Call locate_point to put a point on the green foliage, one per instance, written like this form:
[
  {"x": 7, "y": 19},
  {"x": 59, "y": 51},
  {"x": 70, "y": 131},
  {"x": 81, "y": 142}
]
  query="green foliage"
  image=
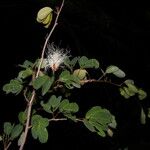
[
  {"x": 130, "y": 90},
  {"x": 25, "y": 73},
  {"x": 52, "y": 104},
  {"x": 98, "y": 120},
  {"x": 38, "y": 129},
  {"x": 143, "y": 117},
  {"x": 13, "y": 131},
  {"x": 44, "y": 16},
  {"x": 66, "y": 107},
  {"x": 71, "y": 63},
  {"x": 16, "y": 131},
  {"x": 80, "y": 73},
  {"x": 38, "y": 85},
  {"x": 22, "y": 117},
  {"x": 69, "y": 80},
  {"x": 115, "y": 70},
  {"x": 45, "y": 82},
  {"x": 8, "y": 128},
  {"x": 27, "y": 64},
  {"x": 84, "y": 62},
  {"x": 15, "y": 86}
]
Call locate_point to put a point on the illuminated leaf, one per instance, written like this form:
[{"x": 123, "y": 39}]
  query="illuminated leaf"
[
  {"x": 44, "y": 16},
  {"x": 22, "y": 117},
  {"x": 141, "y": 94},
  {"x": 38, "y": 82},
  {"x": 52, "y": 104},
  {"x": 80, "y": 73},
  {"x": 88, "y": 125},
  {"x": 15, "y": 87},
  {"x": 143, "y": 117},
  {"x": 47, "y": 85},
  {"x": 116, "y": 71},
  {"x": 16, "y": 131},
  {"x": 21, "y": 138},
  {"x": 8, "y": 128},
  {"x": 38, "y": 129},
  {"x": 25, "y": 73}
]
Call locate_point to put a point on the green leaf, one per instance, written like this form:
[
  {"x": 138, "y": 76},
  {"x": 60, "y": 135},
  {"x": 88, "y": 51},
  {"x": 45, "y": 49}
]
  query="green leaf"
[
  {"x": 80, "y": 73},
  {"x": 119, "y": 74},
  {"x": 70, "y": 81},
  {"x": 115, "y": 70},
  {"x": 71, "y": 63},
  {"x": 25, "y": 73},
  {"x": 123, "y": 93},
  {"x": 129, "y": 81},
  {"x": 111, "y": 69},
  {"x": 16, "y": 131},
  {"x": 40, "y": 81},
  {"x": 84, "y": 62},
  {"x": 100, "y": 129},
  {"x": 52, "y": 104},
  {"x": 101, "y": 133},
  {"x": 27, "y": 64},
  {"x": 44, "y": 16},
  {"x": 67, "y": 107},
  {"x": 8, "y": 128},
  {"x": 93, "y": 63},
  {"x": 47, "y": 85},
  {"x": 92, "y": 111},
  {"x": 129, "y": 91},
  {"x": 88, "y": 125},
  {"x": 38, "y": 129},
  {"x": 64, "y": 76},
  {"x": 102, "y": 116},
  {"x": 141, "y": 94},
  {"x": 113, "y": 123},
  {"x": 43, "y": 65},
  {"x": 22, "y": 117},
  {"x": 21, "y": 139},
  {"x": 15, "y": 87},
  {"x": 143, "y": 117},
  {"x": 70, "y": 116},
  {"x": 132, "y": 87}
]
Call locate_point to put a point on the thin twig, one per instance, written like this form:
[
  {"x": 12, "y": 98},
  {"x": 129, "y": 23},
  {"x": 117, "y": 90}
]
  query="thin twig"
[
  {"x": 100, "y": 81},
  {"x": 6, "y": 148},
  {"x": 37, "y": 74},
  {"x": 64, "y": 119}
]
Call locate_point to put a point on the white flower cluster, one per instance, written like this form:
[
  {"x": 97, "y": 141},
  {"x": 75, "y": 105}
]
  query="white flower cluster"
[{"x": 55, "y": 57}]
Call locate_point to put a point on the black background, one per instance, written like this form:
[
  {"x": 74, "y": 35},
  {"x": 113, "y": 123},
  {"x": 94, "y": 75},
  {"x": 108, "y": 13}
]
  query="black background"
[{"x": 114, "y": 33}]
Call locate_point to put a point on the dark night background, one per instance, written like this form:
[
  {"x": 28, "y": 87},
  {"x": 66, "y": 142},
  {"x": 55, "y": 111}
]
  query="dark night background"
[{"x": 113, "y": 32}]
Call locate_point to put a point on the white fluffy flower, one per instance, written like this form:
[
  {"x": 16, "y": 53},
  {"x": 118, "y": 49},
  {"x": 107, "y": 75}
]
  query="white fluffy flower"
[{"x": 55, "y": 57}]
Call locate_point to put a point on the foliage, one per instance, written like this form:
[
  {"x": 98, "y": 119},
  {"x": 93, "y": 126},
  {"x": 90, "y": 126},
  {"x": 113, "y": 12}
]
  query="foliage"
[{"x": 43, "y": 80}]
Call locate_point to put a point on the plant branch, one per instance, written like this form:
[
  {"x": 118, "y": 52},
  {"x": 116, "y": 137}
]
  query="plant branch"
[
  {"x": 48, "y": 37},
  {"x": 100, "y": 81},
  {"x": 6, "y": 148},
  {"x": 37, "y": 74},
  {"x": 63, "y": 119}
]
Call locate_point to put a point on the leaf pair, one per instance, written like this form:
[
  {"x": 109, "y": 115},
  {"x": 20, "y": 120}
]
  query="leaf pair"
[
  {"x": 13, "y": 131},
  {"x": 130, "y": 90},
  {"x": 115, "y": 70},
  {"x": 69, "y": 80},
  {"x": 84, "y": 62},
  {"x": 45, "y": 82},
  {"x": 38, "y": 129},
  {"x": 98, "y": 120},
  {"x": 15, "y": 86}
]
